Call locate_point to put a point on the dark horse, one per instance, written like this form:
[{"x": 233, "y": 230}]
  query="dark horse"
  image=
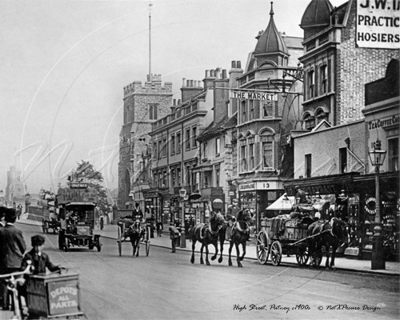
[
  {"x": 209, "y": 234},
  {"x": 240, "y": 234},
  {"x": 135, "y": 232},
  {"x": 328, "y": 234}
]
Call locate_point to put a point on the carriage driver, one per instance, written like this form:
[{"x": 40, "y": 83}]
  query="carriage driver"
[{"x": 231, "y": 217}]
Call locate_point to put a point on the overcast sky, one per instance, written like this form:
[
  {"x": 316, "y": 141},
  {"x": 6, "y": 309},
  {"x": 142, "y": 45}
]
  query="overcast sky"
[{"x": 63, "y": 66}]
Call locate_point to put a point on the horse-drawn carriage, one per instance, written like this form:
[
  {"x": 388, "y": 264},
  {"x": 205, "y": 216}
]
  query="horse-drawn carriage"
[
  {"x": 137, "y": 232},
  {"x": 50, "y": 223},
  {"x": 301, "y": 235}
]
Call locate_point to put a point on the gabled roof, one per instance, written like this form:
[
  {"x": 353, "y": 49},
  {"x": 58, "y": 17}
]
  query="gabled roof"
[
  {"x": 322, "y": 125},
  {"x": 215, "y": 129}
]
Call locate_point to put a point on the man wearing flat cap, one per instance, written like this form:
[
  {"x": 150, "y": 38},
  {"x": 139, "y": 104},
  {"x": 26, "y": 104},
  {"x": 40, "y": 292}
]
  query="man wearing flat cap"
[
  {"x": 12, "y": 248},
  {"x": 39, "y": 260}
]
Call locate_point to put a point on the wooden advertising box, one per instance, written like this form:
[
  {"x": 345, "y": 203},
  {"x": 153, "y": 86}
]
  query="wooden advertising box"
[{"x": 54, "y": 295}]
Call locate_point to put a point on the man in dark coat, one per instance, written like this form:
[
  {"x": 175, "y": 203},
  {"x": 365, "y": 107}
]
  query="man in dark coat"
[{"x": 12, "y": 248}]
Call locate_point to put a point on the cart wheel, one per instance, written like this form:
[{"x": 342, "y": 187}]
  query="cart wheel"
[
  {"x": 119, "y": 239},
  {"x": 276, "y": 253},
  {"x": 262, "y": 247},
  {"x": 302, "y": 255},
  {"x": 147, "y": 247}
]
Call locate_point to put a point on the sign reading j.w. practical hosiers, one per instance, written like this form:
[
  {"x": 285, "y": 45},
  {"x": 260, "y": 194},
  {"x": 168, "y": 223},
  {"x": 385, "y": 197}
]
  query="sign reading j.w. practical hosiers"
[{"x": 378, "y": 24}]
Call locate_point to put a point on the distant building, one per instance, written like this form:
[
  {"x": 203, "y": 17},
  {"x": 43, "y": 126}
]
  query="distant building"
[{"x": 15, "y": 187}]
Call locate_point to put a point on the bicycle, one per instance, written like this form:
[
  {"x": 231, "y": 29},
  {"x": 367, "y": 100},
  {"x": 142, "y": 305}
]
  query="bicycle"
[{"x": 13, "y": 280}]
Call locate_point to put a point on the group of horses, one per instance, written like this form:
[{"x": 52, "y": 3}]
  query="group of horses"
[{"x": 329, "y": 234}]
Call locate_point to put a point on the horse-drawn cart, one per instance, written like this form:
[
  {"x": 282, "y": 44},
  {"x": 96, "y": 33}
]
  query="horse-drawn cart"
[
  {"x": 133, "y": 231},
  {"x": 280, "y": 236}
]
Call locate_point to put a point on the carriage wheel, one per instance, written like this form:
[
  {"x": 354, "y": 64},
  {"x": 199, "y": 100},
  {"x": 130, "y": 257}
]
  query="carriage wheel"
[
  {"x": 262, "y": 247},
  {"x": 147, "y": 247},
  {"x": 119, "y": 241},
  {"x": 276, "y": 253},
  {"x": 302, "y": 255}
]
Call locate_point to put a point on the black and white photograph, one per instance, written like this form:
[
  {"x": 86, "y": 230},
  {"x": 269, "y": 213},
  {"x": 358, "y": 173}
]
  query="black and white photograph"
[{"x": 199, "y": 159}]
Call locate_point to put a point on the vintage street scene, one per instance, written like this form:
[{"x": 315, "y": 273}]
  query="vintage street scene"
[{"x": 168, "y": 159}]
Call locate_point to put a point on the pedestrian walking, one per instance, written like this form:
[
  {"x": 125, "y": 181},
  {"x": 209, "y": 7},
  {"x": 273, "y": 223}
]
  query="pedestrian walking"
[
  {"x": 174, "y": 235},
  {"x": 101, "y": 222},
  {"x": 160, "y": 228},
  {"x": 12, "y": 249}
]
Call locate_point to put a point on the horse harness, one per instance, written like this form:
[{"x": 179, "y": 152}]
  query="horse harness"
[{"x": 207, "y": 227}]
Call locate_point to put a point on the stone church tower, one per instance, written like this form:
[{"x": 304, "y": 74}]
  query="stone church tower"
[{"x": 143, "y": 105}]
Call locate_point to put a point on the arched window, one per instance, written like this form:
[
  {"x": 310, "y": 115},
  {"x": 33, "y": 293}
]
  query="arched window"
[
  {"x": 321, "y": 115},
  {"x": 309, "y": 121}
]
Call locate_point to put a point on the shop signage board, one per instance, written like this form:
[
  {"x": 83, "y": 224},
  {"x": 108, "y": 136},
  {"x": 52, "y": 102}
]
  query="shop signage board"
[
  {"x": 66, "y": 195},
  {"x": 253, "y": 95},
  {"x": 378, "y": 24},
  {"x": 271, "y": 185},
  {"x": 384, "y": 122}
]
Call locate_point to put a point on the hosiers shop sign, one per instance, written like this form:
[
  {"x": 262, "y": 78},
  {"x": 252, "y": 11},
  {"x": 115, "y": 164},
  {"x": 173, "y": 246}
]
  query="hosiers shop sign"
[{"x": 378, "y": 24}]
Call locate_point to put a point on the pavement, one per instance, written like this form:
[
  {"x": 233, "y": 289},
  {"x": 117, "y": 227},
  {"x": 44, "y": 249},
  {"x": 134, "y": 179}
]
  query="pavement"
[{"x": 341, "y": 263}]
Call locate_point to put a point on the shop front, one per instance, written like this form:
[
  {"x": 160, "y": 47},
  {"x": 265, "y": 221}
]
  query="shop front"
[
  {"x": 157, "y": 204},
  {"x": 258, "y": 196},
  {"x": 351, "y": 198}
]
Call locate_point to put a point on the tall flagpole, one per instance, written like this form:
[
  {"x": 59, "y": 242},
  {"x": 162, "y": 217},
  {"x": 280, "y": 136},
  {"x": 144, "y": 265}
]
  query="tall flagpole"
[{"x": 150, "y": 76}]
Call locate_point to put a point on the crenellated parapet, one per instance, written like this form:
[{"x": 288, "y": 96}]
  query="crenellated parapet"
[{"x": 153, "y": 85}]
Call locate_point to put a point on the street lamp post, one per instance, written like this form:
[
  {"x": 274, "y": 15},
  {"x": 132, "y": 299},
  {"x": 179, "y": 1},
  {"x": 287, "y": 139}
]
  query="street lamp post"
[
  {"x": 377, "y": 157},
  {"x": 182, "y": 193}
]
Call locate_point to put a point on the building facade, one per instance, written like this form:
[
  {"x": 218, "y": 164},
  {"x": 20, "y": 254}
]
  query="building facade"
[
  {"x": 15, "y": 190},
  {"x": 268, "y": 100}
]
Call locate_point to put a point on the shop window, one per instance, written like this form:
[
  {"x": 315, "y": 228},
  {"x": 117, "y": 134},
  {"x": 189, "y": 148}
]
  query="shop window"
[
  {"x": 324, "y": 79},
  {"x": 393, "y": 154},
  {"x": 311, "y": 84},
  {"x": 342, "y": 160},
  {"x": 308, "y": 165},
  {"x": 172, "y": 144},
  {"x": 217, "y": 146},
  {"x": 187, "y": 139}
]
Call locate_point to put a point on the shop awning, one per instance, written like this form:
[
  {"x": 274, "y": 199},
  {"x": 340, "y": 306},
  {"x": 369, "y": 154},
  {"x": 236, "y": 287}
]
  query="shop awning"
[{"x": 283, "y": 203}]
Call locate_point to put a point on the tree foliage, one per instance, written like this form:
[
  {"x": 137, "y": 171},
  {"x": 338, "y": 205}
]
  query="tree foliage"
[{"x": 86, "y": 173}]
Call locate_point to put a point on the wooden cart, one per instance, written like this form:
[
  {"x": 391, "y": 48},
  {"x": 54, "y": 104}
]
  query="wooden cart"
[
  {"x": 289, "y": 237},
  {"x": 54, "y": 295},
  {"x": 123, "y": 225}
]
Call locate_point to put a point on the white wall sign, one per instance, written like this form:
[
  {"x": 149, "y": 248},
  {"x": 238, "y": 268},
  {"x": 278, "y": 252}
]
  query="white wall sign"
[
  {"x": 253, "y": 95},
  {"x": 378, "y": 24}
]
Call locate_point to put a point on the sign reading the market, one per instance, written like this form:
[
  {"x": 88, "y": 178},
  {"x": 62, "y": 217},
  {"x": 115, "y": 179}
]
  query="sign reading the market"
[
  {"x": 378, "y": 24},
  {"x": 253, "y": 95},
  {"x": 382, "y": 123}
]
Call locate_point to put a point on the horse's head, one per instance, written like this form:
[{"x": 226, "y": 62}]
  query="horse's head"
[
  {"x": 245, "y": 215},
  {"x": 217, "y": 221},
  {"x": 340, "y": 230}
]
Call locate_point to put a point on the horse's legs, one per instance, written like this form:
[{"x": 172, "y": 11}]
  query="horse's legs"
[
  {"x": 244, "y": 250},
  {"x": 221, "y": 246},
  {"x": 201, "y": 254},
  {"x": 238, "y": 255},
  {"x": 193, "y": 247},
  {"x": 215, "y": 244},
  {"x": 207, "y": 262},
  {"x": 137, "y": 247},
  {"x": 230, "y": 252}
]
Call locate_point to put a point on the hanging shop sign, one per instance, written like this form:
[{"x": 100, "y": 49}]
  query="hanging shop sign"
[
  {"x": 370, "y": 206},
  {"x": 378, "y": 24},
  {"x": 253, "y": 95}
]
